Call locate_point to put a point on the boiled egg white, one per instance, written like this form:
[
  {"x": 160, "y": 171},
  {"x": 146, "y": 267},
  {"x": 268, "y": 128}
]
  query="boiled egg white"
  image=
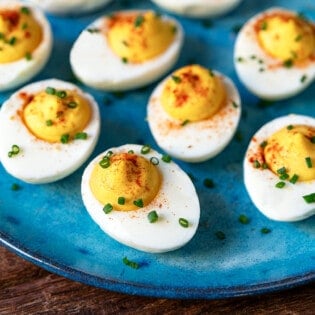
[
  {"x": 130, "y": 49},
  {"x": 25, "y": 43},
  {"x": 61, "y": 7},
  {"x": 198, "y": 8},
  {"x": 208, "y": 109},
  {"x": 164, "y": 221},
  {"x": 41, "y": 137},
  {"x": 279, "y": 175},
  {"x": 274, "y": 54}
]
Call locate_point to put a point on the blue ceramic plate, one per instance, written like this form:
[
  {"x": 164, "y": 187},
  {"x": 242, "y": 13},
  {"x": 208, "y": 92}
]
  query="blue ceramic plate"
[{"x": 48, "y": 224}]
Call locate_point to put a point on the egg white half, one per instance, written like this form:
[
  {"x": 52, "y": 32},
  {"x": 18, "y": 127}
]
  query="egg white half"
[
  {"x": 100, "y": 68},
  {"x": 195, "y": 141},
  {"x": 40, "y": 161},
  {"x": 63, "y": 7},
  {"x": 287, "y": 203},
  {"x": 177, "y": 198},
  {"x": 198, "y": 8},
  {"x": 18, "y": 72},
  {"x": 262, "y": 74}
]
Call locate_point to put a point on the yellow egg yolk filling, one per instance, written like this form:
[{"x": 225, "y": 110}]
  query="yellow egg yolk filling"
[
  {"x": 128, "y": 177},
  {"x": 193, "y": 93},
  {"x": 286, "y": 37},
  {"x": 291, "y": 150},
  {"x": 138, "y": 38},
  {"x": 56, "y": 116},
  {"x": 20, "y": 35}
]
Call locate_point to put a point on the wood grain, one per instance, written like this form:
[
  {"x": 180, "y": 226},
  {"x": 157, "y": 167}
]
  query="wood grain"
[{"x": 28, "y": 289}]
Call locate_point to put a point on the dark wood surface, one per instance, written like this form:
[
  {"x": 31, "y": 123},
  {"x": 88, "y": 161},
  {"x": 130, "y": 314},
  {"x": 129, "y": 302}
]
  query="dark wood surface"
[{"x": 28, "y": 289}]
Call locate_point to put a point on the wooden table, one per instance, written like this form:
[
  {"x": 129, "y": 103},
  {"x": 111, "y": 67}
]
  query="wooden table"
[{"x": 28, "y": 289}]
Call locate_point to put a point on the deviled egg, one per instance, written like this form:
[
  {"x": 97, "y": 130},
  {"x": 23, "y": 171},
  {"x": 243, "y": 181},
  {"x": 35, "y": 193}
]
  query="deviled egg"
[
  {"x": 129, "y": 49},
  {"x": 279, "y": 168},
  {"x": 198, "y": 8},
  {"x": 25, "y": 43},
  {"x": 47, "y": 130},
  {"x": 62, "y": 7},
  {"x": 141, "y": 198},
  {"x": 275, "y": 54},
  {"x": 194, "y": 113}
]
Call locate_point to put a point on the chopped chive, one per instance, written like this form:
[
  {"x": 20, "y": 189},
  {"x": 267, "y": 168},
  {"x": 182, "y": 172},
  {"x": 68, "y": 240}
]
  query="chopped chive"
[
  {"x": 313, "y": 139},
  {"x": 121, "y": 200},
  {"x": 263, "y": 144},
  {"x": 15, "y": 149},
  {"x": 139, "y": 21},
  {"x": 49, "y": 122},
  {"x": 93, "y": 30},
  {"x": 28, "y": 56},
  {"x": 280, "y": 185},
  {"x": 80, "y": 136},
  {"x": 105, "y": 162},
  {"x": 263, "y": 25},
  {"x": 185, "y": 122},
  {"x": 183, "y": 222},
  {"x": 107, "y": 208},
  {"x": 265, "y": 230},
  {"x": 264, "y": 166},
  {"x": 154, "y": 160},
  {"x": 220, "y": 235},
  {"x": 298, "y": 38},
  {"x": 208, "y": 182},
  {"x": 284, "y": 176},
  {"x": 290, "y": 127},
  {"x": 308, "y": 161},
  {"x": 166, "y": 158},
  {"x": 24, "y": 26},
  {"x": 109, "y": 153},
  {"x": 288, "y": 63},
  {"x": 131, "y": 152},
  {"x": 124, "y": 59},
  {"x": 211, "y": 73},
  {"x": 72, "y": 105},
  {"x": 65, "y": 138},
  {"x": 176, "y": 79},
  {"x": 234, "y": 104},
  {"x": 50, "y": 90},
  {"x": 61, "y": 94},
  {"x": 240, "y": 59},
  {"x": 303, "y": 78},
  {"x": 130, "y": 263},
  {"x": 282, "y": 170},
  {"x": 243, "y": 219},
  {"x": 145, "y": 149},
  {"x": 15, "y": 187},
  {"x": 309, "y": 198},
  {"x": 153, "y": 216},
  {"x": 256, "y": 164},
  {"x": 138, "y": 203},
  {"x": 25, "y": 10},
  {"x": 1, "y": 35},
  {"x": 12, "y": 41},
  {"x": 294, "y": 179}
]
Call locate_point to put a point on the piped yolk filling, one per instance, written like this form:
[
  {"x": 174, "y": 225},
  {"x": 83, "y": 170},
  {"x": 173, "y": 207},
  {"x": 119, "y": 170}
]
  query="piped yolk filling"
[
  {"x": 51, "y": 114},
  {"x": 193, "y": 93},
  {"x": 291, "y": 150},
  {"x": 286, "y": 37},
  {"x": 129, "y": 177},
  {"x": 20, "y": 34},
  {"x": 138, "y": 38}
]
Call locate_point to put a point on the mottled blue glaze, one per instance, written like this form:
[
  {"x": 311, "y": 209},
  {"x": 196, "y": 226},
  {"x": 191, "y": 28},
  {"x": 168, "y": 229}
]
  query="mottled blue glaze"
[{"x": 48, "y": 224}]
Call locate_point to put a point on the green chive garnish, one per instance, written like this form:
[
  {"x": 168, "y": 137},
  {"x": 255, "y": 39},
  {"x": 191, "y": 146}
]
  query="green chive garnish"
[
  {"x": 294, "y": 179},
  {"x": 138, "y": 21},
  {"x": 176, "y": 79},
  {"x": 145, "y": 149},
  {"x": 263, "y": 25},
  {"x": 72, "y": 105},
  {"x": 121, "y": 200},
  {"x": 49, "y": 122},
  {"x": 25, "y": 10},
  {"x": 130, "y": 263},
  {"x": 282, "y": 170},
  {"x": 124, "y": 60},
  {"x": 28, "y": 56},
  {"x": 234, "y": 104},
  {"x": 303, "y": 78},
  {"x": 61, "y": 94},
  {"x": 309, "y": 198},
  {"x": 263, "y": 144},
  {"x": 15, "y": 149},
  {"x": 256, "y": 164},
  {"x": 138, "y": 203},
  {"x": 284, "y": 176},
  {"x": 15, "y": 187},
  {"x": 280, "y": 184},
  {"x": 185, "y": 122},
  {"x": 154, "y": 160},
  {"x": 108, "y": 208},
  {"x": 183, "y": 222},
  {"x": 12, "y": 40},
  {"x": 166, "y": 158},
  {"x": 308, "y": 162},
  {"x": 288, "y": 63},
  {"x": 290, "y": 127},
  {"x": 80, "y": 136},
  {"x": 265, "y": 230},
  {"x": 65, "y": 138},
  {"x": 243, "y": 219},
  {"x": 313, "y": 139},
  {"x": 220, "y": 235},
  {"x": 105, "y": 162},
  {"x": 93, "y": 30},
  {"x": 153, "y": 216},
  {"x": 50, "y": 90},
  {"x": 131, "y": 152}
]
